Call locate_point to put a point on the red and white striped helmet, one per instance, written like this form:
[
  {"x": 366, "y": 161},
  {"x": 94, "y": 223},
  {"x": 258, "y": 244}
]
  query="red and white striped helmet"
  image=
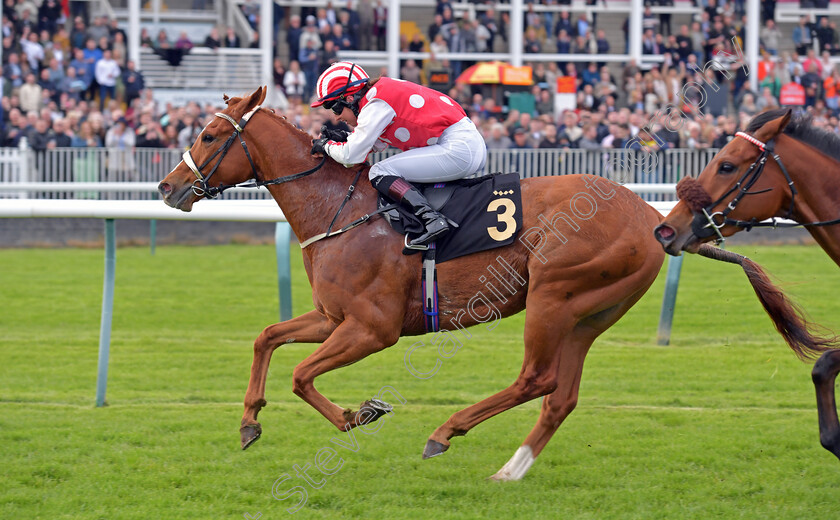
[{"x": 339, "y": 79}]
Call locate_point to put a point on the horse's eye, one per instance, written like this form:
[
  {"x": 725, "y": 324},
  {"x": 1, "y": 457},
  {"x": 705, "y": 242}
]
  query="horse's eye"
[
  {"x": 726, "y": 168},
  {"x": 208, "y": 138}
]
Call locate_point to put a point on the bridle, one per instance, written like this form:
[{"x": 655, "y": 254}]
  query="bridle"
[
  {"x": 707, "y": 223},
  {"x": 200, "y": 186},
  {"x": 704, "y": 224}
]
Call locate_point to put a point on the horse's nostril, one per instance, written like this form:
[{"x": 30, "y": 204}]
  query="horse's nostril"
[
  {"x": 664, "y": 233},
  {"x": 164, "y": 188}
]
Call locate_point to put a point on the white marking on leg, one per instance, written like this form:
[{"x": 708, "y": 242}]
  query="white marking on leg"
[{"x": 517, "y": 466}]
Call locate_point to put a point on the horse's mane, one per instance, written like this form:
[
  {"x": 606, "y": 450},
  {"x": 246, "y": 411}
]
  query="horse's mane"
[
  {"x": 233, "y": 101},
  {"x": 800, "y": 128}
]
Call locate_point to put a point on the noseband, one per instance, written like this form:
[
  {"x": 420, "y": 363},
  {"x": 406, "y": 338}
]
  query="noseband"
[
  {"x": 200, "y": 186},
  {"x": 707, "y": 223}
]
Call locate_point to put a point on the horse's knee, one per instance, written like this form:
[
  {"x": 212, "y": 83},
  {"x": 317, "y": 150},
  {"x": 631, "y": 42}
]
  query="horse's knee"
[
  {"x": 300, "y": 384},
  {"x": 826, "y": 367},
  {"x": 531, "y": 386}
]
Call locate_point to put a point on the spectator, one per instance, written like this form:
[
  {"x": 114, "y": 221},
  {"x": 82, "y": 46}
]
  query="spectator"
[
  {"x": 294, "y": 81},
  {"x": 98, "y": 30},
  {"x": 33, "y": 50},
  {"x": 770, "y": 36},
  {"x": 231, "y": 39},
  {"x": 364, "y": 11},
  {"x": 411, "y": 72},
  {"x": 212, "y": 41},
  {"x": 803, "y": 36},
  {"x": 106, "y": 73},
  {"x": 133, "y": 81},
  {"x": 184, "y": 43},
  {"x": 12, "y": 71},
  {"x": 532, "y": 43},
  {"x": 342, "y": 41},
  {"x": 497, "y": 140},
  {"x": 30, "y": 94},
  {"x": 71, "y": 85},
  {"x": 826, "y": 36},
  {"x": 120, "y": 141},
  {"x": 380, "y": 23},
  {"x": 831, "y": 85},
  {"x": 308, "y": 61},
  {"x": 61, "y": 135},
  {"x": 293, "y": 34},
  {"x": 767, "y": 101},
  {"x": 39, "y": 138},
  {"x": 550, "y": 139},
  {"x": 520, "y": 140}
]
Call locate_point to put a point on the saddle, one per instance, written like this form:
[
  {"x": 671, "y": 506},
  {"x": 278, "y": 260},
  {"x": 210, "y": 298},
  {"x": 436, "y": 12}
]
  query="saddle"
[{"x": 488, "y": 211}]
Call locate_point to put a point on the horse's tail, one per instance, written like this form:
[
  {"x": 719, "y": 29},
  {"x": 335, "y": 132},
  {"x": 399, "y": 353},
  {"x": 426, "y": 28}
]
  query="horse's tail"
[{"x": 787, "y": 316}]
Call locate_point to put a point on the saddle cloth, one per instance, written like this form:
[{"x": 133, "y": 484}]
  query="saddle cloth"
[{"x": 488, "y": 211}]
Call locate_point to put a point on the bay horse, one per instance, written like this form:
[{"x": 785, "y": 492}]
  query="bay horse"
[
  {"x": 585, "y": 255},
  {"x": 779, "y": 167}
]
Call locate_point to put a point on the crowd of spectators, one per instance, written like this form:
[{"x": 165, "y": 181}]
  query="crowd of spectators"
[{"x": 68, "y": 82}]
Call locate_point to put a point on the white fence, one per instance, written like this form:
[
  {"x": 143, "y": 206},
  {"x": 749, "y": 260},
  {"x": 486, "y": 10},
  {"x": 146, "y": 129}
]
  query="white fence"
[{"x": 151, "y": 165}]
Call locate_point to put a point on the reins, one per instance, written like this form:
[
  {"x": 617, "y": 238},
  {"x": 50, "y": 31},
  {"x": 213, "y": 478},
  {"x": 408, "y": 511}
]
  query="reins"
[{"x": 200, "y": 186}]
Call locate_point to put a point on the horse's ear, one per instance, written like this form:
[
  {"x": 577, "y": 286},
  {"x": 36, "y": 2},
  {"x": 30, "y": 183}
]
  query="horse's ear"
[
  {"x": 256, "y": 98},
  {"x": 773, "y": 128},
  {"x": 262, "y": 96},
  {"x": 231, "y": 101}
]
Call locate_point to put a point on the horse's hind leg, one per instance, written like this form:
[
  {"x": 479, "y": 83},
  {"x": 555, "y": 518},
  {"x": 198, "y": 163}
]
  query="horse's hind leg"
[
  {"x": 560, "y": 403},
  {"x": 555, "y": 407},
  {"x": 312, "y": 327},
  {"x": 824, "y": 373},
  {"x": 543, "y": 328}
]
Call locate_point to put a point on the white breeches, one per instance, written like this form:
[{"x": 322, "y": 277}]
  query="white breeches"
[{"x": 459, "y": 152}]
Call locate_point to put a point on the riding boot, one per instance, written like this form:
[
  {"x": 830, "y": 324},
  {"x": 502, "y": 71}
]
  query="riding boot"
[{"x": 399, "y": 190}]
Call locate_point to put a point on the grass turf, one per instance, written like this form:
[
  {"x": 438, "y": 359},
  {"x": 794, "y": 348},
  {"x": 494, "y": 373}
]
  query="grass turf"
[{"x": 721, "y": 424}]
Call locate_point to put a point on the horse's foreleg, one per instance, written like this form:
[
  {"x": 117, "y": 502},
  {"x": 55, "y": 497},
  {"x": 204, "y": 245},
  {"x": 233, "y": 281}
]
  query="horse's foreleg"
[
  {"x": 350, "y": 342},
  {"x": 312, "y": 327},
  {"x": 543, "y": 330},
  {"x": 824, "y": 373}
]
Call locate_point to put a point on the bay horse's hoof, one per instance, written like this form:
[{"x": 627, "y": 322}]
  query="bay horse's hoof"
[
  {"x": 249, "y": 434},
  {"x": 433, "y": 449}
]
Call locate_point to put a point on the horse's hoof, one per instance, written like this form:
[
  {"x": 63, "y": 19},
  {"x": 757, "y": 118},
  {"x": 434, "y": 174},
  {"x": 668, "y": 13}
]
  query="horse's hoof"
[
  {"x": 249, "y": 434},
  {"x": 377, "y": 407},
  {"x": 433, "y": 449}
]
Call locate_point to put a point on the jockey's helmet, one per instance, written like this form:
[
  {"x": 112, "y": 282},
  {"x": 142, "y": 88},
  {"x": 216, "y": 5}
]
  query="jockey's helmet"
[{"x": 339, "y": 81}]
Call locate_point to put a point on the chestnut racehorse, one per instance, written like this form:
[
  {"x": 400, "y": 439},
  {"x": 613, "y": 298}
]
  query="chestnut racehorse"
[
  {"x": 778, "y": 167},
  {"x": 577, "y": 274}
]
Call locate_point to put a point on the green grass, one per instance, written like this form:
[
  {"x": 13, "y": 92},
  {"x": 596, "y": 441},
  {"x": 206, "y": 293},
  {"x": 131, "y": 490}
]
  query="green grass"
[{"x": 721, "y": 424}]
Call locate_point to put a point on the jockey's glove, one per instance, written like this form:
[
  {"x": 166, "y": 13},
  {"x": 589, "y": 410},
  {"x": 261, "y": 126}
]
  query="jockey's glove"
[
  {"x": 334, "y": 134},
  {"x": 318, "y": 146}
]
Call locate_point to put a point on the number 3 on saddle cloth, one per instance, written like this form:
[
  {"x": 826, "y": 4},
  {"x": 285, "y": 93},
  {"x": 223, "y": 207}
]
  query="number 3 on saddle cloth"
[{"x": 488, "y": 211}]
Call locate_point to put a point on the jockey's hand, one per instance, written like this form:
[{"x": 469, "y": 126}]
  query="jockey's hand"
[
  {"x": 337, "y": 135},
  {"x": 318, "y": 147}
]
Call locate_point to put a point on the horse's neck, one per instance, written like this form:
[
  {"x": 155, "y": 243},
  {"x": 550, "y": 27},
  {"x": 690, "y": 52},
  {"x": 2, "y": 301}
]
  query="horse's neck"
[
  {"x": 310, "y": 203},
  {"x": 817, "y": 180}
]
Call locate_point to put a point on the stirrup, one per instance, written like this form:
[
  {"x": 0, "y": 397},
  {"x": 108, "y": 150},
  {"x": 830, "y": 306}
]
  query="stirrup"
[{"x": 417, "y": 248}]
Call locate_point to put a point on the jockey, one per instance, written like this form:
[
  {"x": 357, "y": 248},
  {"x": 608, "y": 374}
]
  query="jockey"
[{"x": 440, "y": 143}]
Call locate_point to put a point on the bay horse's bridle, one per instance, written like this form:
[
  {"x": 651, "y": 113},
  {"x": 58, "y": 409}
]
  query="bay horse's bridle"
[
  {"x": 705, "y": 224},
  {"x": 201, "y": 187}
]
